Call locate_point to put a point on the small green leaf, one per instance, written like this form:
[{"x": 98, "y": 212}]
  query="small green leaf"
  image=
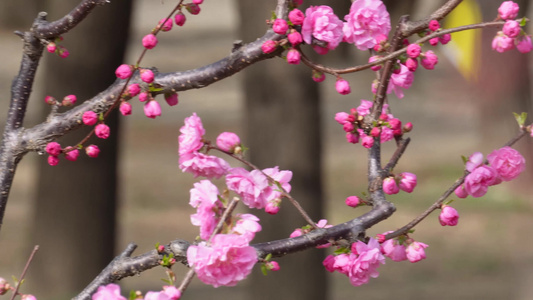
[
  {"x": 464, "y": 158},
  {"x": 523, "y": 22},
  {"x": 15, "y": 280},
  {"x": 264, "y": 269},
  {"x": 268, "y": 257},
  {"x": 274, "y": 16},
  {"x": 152, "y": 88},
  {"x": 342, "y": 250},
  {"x": 167, "y": 281},
  {"x": 157, "y": 246},
  {"x": 133, "y": 295},
  {"x": 520, "y": 118}
]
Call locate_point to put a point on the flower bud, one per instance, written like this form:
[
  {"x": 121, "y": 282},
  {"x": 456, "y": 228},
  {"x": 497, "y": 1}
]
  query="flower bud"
[
  {"x": 318, "y": 76},
  {"x": 53, "y": 148},
  {"x": 147, "y": 75},
  {"x": 353, "y": 201},
  {"x": 89, "y": 118},
  {"x": 296, "y": 17},
  {"x": 124, "y": 71},
  {"x": 171, "y": 98},
  {"x": 295, "y": 38},
  {"x": 134, "y": 89},
  {"x": 152, "y": 109},
  {"x": 165, "y": 24},
  {"x": 367, "y": 142},
  {"x": 280, "y": 26},
  {"x": 429, "y": 60},
  {"x": 269, "y": 46},
  {"x": 433, "y": 25},
  {"x": 293, "y": 57},
  {"x": 448, "y": 216},
  {"x": 227, "y": 141},
  {"x": 149, "y": 41},
  {"x": 508, "y": 10},
  {"x": 53, "y": 160},
  {"x": 51, "y": 47},
  {"x": 342, "y": 86},
  {"x": 125, "y": 108},
  {"x": 69, "y": 100},
  {"x": 193, "y": 8},
  {"x": 180, "y": 19},
  {"x": 102, "y": 131},
  {"x": 390, "y": 186},
  {"x": 413, "y": 50},
  {"x": 273, "y": 266},
  {"x": 407, "y": 182},
  {"x": 71, "y": 155},
  {"x": 352, "y": 138},
  {"x": 49, "y": 100},
  {"x": 92, "y": 151},
  {"x": 272, "y": 208}
]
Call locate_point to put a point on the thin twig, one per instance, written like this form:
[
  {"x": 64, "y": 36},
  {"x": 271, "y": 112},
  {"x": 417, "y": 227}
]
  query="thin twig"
[{"x": 15, "y": 292}]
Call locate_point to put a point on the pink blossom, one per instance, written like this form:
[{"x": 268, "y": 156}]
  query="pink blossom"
[
  {"x": 49, "y": 100},
  {"x": 166, "y": 24},
  {"x": 477, "y": 183},
  {"x": 328, "y": 263},
  {"x": 89, "y": 118},
  {"x": 523, "y": 44},
  {"x": 475, "y": 160},
  {"x": 63, "y": 52},
  {"x": 364, "y": 108},
  {"x": 367, "y": 141},
  {"x": 320, "y": 50},
  {"x": 149, "y": 41},
  {"x": 342, "y": 263},
  {"x": 282, "y": 177},
  {"x": 273, "y": 266},
  {"x": 125, "y": 108},
  {"x": 366, "y": 20},
  {"x": 433, "y": 25},
  {"x": 461, "y": 192},
  {"x": 352, "y": 138},
  {"x": 227, "y": 141},
  {"x": 407, "y": 182},
  {"x": 134, "y": 89},
  {"x": 415, "y": 251},
  {"x": 156, "y": 296},
  {"x": 53, "y": 160},
  {"x": 123, "y": 71},
  {"x": 341, "y": 117},
  {"x": 204, "y": 197},
  {"x": 193, "y": 8},
  {"x": 393, "y": 249},
  {"x": 152, "y": 109},
  {"x": 318, "y": 76},
  {"x": 293, "y": 57},
  {"x": 296, "y": 233},
  {"x": 448, "y": 216},
  {"x": 353, "y": 201},
  {"x": 102, "y": 131},
  {"x": 272, "y": 207},
  {"x": 269, "y": 46},
  {"x": 249, "y": 185},
  {"x": 227, "y": 261},
  {"x": 502, "y": 43},
  {"x": 390, "y": 186},
  {"x": 342, "y": 86},
  {"x": 108, "y": 292},
  {"x": 51, "y": 47},
  {"x": 399, "y": 82},
  {"x": 53, "y": 148},
  {"x": 4, "y": 286},
  {"x": 72, "y": 155},
  {"x": 372, "y": 59},
  {"x": 445, "y": 38},
  {"x": 508, "y": 162},
  {"x": 295, "y": 38},
  {"x": 92, "y": 151},
  {"x": 247, "y": 225},
  {"x": 172, "y": 292},
  {"x": 387, "y": 134},
  {"x": 508, "y": 10},
  {"x": 180, "y": 18},
  {"x": 434, "y": 41},
  {"x": 69, "y": 100},
  {"x": 28, "y": 297},
  {"x": 296, "y": 16},
  {"x": 365, "y": 265},
  {"x": 429, "y": 60},
  {"x": 144, "y": 96},
  {"x": 197, "y": 1},
  {"x": 413, "y": 50},
  {"x": 322, "y": 24},
  {"x": 280, "y": 26},
  {"x": 200, "y": 164},
  {"x": 190, "y": 139},
  {"x": 511, "y": 28},
  {"x": 147, "y": 75},
  {"x": 348, "y": 127},
  {"x": 171, "y": 98}
]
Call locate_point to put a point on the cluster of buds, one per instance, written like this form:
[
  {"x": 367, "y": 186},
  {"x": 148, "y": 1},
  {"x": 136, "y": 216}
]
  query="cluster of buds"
[
  {"x": 71, "y": 153},
  {"x": 404, "y": 181},
  {"x": 402, "y": 248},
  {"x": 54, "y": 47},
  {"x": 512, "y": 33},
  {"x": 68, "y": 100}
]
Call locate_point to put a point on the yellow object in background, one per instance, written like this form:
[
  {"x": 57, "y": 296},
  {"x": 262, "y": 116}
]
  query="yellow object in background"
[{"x": 464, "y": 48}]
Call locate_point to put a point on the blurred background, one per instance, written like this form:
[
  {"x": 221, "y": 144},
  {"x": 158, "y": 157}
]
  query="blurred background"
[{"x": 84, "y": 213}]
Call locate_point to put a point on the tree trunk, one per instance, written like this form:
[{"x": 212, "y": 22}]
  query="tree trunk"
[
  {"x": 283, "y": 121},
  {"x": 75, "y": 208}
]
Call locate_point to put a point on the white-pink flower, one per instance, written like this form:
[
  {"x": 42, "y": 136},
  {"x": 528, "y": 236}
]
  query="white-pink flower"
[
  {"x": 508, "y": 162},
  {"x": 477, "y": 183},
  {"x": 475, "y": 160},
  {"x": 368, "y": 260},
  {"x": 367, "y": 20},
  {"x": 108, "y": 292},
  {"x": 415, "y": 251},
  {"x": 204, "y": 197},
  {"x": 393, "y": 250},
  {"x": 227, "y": 261},
  {"x": 247, "y": 225},
  {"x": 399, "y": 82},
  {"x": 321, "y": 23},
  {"x": 251, "y": 186},
  {"x": 190, "y": 139},
  {"x": 448, "y": 216},
  {"x": 200, "y": 164}
]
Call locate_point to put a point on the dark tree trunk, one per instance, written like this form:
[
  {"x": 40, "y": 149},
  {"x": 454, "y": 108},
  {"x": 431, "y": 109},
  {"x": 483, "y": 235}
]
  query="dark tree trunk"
[
  {"x": 283, "y": 121},
  {"x": 76, "y": 203}
]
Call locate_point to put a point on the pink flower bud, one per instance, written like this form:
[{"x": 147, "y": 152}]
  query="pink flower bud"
[
  {"x": 341, "y": 117},
  {"x": 433, "y": 25},
  {"x": 374, "y": 86},
  {"x": 147, "y": 75},
  {"x": 434, "y": 41},
  {"x": 28, "y": 297},
  {"x": 102, "y": 131},
  {"x": 144, "y": 96},
  {"x": 502, "y": 43},
  {"x": 71, "y": 155},
  {"x": 523, "y": 44},
  {"x": 124, "y": 71},
  {"x": 193, "y": 8},
  {"x": 375, "y": 132},
  {"x": 69, "y": 100},
  {"x": 149, "y": 41},
  {"x": 318, "y": 76},
  {"x": 408, "y": 127},
  {"x": 380, "y": 237},
  {"x": 53, "y": 160},
  {"x": 63, "y": 52},
  {"x": 407, "y": 182},
  {"x": 390, "y": 186},
  {"x": 414, "y": 50},
  {"x": 4, "y": 286},
  {"x": 320, "y": 50},
  {"x": 296, "y": 233},
  {"x": 134, "y": 89},
  {"x": 411, "y": 64},
  {"x": 125, "y": 108},
  {"x": 372, "y": 59},
  {"x": 171, "y": 98},
  {"x": 448, "y": 216},
  {"x": 51, "y": 47},
  {"x": 508, "y": 10},
  {"x": 395, "y": 124},
  {"x": 280, "y": 26},
  {"x": 461, "y": 192},
  {"x": 227, "y": 141},
  {"x": 353, "y": 201},
  {"x": 429, "y": 60},
  {"x": 53, "y": 148},
  {"x": 293, "y": 57},
  {"x": 269, "y": 46},
  {"x": 415, "y": 251},
  {"x": 152, "y": 109},
  {"x": 352, "y": 138},
  {"x": 89, "y": 118},
  {"x": 180, "y": 19},
  {"x": 475, "y": 160},
  {"x": 295, "y": 38},
  {"x": 50, "y": 100},
  {"x": 445, "y": 38},
  {"x": 511, "y": 28},
  {"x": 367, "y": 142},
  {"x": 92, "y": 151},
  {"x": 296, "y": 17},
  {"x": 348, "y": 127},
  {"x": 273, "y": 266},
  {"x": 393, "y": 250},
  {"x": 166, "y": 24},
  {"x": 272, "y": 208},
  {"x": 297, "y": 2},
  {"x": 342, "y": 86}
]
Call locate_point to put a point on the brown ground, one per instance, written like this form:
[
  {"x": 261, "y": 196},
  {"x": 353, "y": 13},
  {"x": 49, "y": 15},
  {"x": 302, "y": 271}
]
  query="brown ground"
[{"x": 487, "y": 256}]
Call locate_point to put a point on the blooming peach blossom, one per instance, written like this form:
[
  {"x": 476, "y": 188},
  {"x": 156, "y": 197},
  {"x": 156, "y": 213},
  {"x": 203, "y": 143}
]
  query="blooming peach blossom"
[
  {"x": 366, "y": 20},
  {"x": 448, "y": 216},
  {"x": 415, "y": 251},
  {"x": 508, "y": 162},
  {"x": 322, "y": 24}
]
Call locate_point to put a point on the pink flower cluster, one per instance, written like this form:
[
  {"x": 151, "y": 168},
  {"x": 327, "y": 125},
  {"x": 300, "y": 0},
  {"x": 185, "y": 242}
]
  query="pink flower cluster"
[
  {"x": 352, "y": 124},
  {"x": 405, "y": 181},
  {"x": 504, "y": 164},
  {"x": 360, "y": 264},
  {"x": 366, "y": 21},
  {"x": 54, "y": 47},
  {"x": 112, "y": 292},
  {"x": 511, "y": 34},
  {"x": 400, "y": 249}
]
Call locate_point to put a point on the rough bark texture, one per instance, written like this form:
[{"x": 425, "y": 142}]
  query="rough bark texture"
[
  {"x": 283, "y": 121},
  {"x": 75, "y": 207}
]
